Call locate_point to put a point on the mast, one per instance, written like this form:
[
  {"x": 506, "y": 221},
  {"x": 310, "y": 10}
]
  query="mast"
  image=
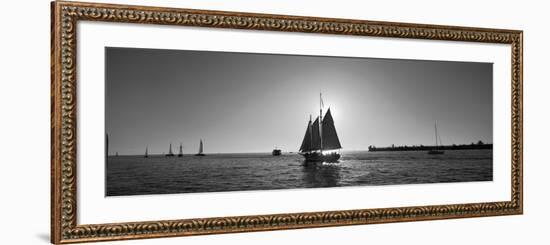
[
  {"x": 170, "y": 149},
  {"x": 181, "y": 149},
  {"x": 321, "y": 119},
  {"x": 435, "y": 126},
  {"x": 146, "y": 152},
  {"x": 200, "y": 147}
]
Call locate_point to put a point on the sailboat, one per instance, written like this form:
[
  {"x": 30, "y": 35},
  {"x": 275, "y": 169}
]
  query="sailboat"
[
  {"x": 200, "y": 154},
  {"x": 146, "y": 153},
  {"x": 180, "y": 154},
  {"x": 435, "y": 150},
  {"x": 321, "y": 138},
  {"x": 170, "y": 154}
]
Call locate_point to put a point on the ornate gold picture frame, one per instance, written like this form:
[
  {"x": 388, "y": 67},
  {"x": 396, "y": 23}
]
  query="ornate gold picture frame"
[{"x": 64, "y": 107}]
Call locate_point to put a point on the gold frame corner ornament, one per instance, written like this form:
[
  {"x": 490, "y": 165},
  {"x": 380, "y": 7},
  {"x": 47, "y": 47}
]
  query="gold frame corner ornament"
[{"x": 65, "y": 15}]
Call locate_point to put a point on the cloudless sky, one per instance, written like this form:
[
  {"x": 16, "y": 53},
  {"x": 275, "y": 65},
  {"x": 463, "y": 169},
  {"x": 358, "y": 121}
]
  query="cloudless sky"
[{"x": 239, "y": 102}]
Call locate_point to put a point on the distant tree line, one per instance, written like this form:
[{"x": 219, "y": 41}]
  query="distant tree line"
[{"x": 473, "y": 146}]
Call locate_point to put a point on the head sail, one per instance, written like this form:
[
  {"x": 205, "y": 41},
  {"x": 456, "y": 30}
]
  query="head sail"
[{"x": 306, "y": 142}]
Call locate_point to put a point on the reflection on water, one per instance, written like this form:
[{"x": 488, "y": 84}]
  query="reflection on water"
[
  {"x": 320, "y": 174},
  {"x": 136, "y": 175}
]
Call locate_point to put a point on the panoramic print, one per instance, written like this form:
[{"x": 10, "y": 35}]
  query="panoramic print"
[{"x": 184, "y": 121}]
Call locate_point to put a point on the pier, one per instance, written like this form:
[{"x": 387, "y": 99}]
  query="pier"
[{"x": 473, "y": 146}]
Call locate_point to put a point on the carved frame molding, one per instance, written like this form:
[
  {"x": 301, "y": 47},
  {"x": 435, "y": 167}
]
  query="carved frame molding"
[{"x": 66, "y": 15}]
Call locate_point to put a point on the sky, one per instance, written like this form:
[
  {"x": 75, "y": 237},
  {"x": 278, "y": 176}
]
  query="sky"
[{"x": 244, "y": 102}]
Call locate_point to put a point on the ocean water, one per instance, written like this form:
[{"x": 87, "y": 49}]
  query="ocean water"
[{"x": 136, "y": 175}]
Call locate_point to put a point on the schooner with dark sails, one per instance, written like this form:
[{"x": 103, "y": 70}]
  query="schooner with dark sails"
[{"x": 320, "y": 143}]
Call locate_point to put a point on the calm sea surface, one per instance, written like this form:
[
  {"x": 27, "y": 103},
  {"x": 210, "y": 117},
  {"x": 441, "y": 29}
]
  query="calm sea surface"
[{"x": 135, "y": 175}]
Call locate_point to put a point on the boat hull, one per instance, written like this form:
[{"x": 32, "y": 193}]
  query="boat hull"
[
  {"x": 200, "y": 155},
  {"x": 276, "y": 152},
  {"x": 318, "y": 157}
]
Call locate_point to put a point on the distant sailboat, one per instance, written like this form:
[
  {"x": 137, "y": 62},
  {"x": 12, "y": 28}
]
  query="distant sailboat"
[
  {"x": 320, "y": 137},
  {"x": 435, "y": 151},
  {"x": 180, "y": 154},
  {"x": 146, "y": 153},
  {"x": 170, "y": 154},
  {"x": 201, "y": 150}
]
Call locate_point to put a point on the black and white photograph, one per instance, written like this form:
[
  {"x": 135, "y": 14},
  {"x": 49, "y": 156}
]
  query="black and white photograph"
[
  {"x": 275, "y": 122},
  {"x": 191, "y": 121}
]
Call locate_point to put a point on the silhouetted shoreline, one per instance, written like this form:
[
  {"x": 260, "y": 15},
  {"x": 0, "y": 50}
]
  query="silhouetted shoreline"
[{"x": 472, "y": 146}]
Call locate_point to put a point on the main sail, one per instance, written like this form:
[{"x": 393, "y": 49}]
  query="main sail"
[
  {"x": 330, "y": 137},
  {"x": 311, "y": 141}
]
